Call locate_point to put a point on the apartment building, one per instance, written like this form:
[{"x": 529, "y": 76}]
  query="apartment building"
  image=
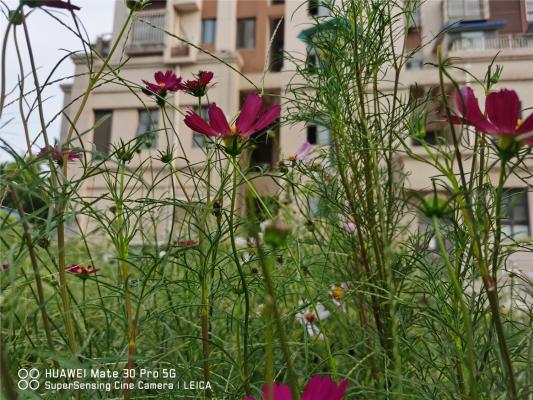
[{"x": 238, "y": 32}]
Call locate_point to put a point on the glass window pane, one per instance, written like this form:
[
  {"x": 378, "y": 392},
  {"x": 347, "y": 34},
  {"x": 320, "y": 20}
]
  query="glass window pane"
[
  {"x": 246, "y": 33},
  {"x": 515, "y": 213},
  {"x": 199, "y": 140},
  {"x": 102, "y": 131},
  {"x": 323, "y": 136},
  {"x": 148, "y": 127},
  {"x": 208, "y": 31}
]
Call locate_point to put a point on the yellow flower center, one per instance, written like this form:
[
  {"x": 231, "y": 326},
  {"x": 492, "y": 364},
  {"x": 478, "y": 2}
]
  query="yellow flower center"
[
  {"x": 337, "y": 293},
  {"x": 310, "y": 317},
  {"x": 233, "y": 129},
  {"x": 518, "y": 123},
  {"x": 162, "y": 84},
  {"x": 292, "y": 157}
]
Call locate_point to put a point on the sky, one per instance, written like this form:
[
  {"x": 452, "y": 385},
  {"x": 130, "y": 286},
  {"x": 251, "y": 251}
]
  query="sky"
[{"x": 50, "y": 42}]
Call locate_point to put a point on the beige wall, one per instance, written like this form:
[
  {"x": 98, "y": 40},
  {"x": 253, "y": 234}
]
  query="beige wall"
[{"x": 517, "y": 75}]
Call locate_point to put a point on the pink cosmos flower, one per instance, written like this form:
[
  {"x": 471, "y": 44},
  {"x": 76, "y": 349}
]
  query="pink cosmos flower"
[
  {"x": 302, "y": 154},
  {"x": 164, "y": 82},
  {"x": 250, "y": 120},
  {"x": 347, "y": 223},
  {"x": 57, "y": 154},
  {"x": 318, "y": 388},
  {"x": 51, "y": 3},
  {"x": 82, "y": 272},
  {"x": 198, "y": 87},
  {"x": 324, "y": 388},
  {"x": 279, "y": 392},
  {"x": 503, "y": 114}
]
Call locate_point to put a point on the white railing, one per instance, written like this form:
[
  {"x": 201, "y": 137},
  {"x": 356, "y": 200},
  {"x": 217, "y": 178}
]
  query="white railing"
[
  {"x": 144, "y": 35},
  {"x": 502, "y": 42},
  {"x": 464, "y": 9}
]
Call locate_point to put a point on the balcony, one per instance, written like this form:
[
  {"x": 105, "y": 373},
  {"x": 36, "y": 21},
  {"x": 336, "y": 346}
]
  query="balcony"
[
  {"x": 501, "y": 42},
  {"x": 180, "y": 53},
  {"x": 465, "y": 10},
  {"x": 148, "y": 37},
  {"x": 186, "y": 5}
]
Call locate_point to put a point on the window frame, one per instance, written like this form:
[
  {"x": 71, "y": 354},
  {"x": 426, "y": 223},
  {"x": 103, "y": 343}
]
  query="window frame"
[
  {"x": 109, "y": 121},
  {"x": 512, "y": 222},
  {"x": 153, "y": 126},
  {"x": 241, "y": 33},
  {"x": 204, "y": 113},
  {"x": 213, "y": 21}
]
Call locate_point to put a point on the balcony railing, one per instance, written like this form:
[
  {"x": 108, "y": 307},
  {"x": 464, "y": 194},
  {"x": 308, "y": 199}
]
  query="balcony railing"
[
  {"x": 502, "y": 42},
  {"x": 458, "y": 10},
  {"x": 144, "y": 35}
]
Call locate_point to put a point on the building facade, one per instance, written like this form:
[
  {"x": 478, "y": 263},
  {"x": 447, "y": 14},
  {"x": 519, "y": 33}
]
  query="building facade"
[{"x": 251, "y": 36}]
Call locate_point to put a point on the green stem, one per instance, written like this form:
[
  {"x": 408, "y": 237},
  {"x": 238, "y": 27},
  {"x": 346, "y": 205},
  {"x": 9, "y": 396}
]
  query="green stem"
[
  {"x": 271, "y": 303},
  {"x": 498, "y": 230},
  {"x": 124, "y": 270},
  {"x": 465, "y": 207},
  {"x": 234, "y": 190},
  {"x": 467, "y": 324},
  {"x": 35, "y": 266}
]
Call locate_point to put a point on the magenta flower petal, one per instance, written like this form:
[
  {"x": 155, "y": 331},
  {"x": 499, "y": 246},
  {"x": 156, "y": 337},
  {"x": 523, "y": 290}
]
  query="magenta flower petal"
[
  {"x": 218, "y": 120},
  {"x": 526, "y": 126},
  {"x": 280, "y": 392},
  {"x": 324, "y": 388},
  {"x": 204, "y": 77},
  {"x": 196, "y": 123},
  {"x": 468, "y": 106},
  {"x": 250, "y": 111},
  {"x": 503, "y": 110},
  {"x": 267, "y": 118}
]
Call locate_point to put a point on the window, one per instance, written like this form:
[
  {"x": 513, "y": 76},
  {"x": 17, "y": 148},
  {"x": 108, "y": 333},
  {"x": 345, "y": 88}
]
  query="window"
[
  {"x": 246, "y": 33},
  {"x": 416, "y": 61},
  {"x": 102, "y": 132},
  {"x": 313, "y": 5},
  {"x": 148, "y": 127},
  {"x": 209, "y": 31},
  {"x": 471, "y": 40},
  {"x": 515, "y": 222},
  {"x": 465, "y": 9},
  {"x": 432, "y": 138},
  {"x": 318, "y": 134},
  {"x": 276, "y": 49},
  {"x": 316, "y": 8},
  {"x": 529, "y": 10},
  {"x": 199, "y": 140},
  {"x": 311, "y": 134},
  {"x": 144, "y": 35}
]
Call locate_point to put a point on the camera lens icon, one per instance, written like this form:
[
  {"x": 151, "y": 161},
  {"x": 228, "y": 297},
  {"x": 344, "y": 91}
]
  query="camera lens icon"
[{"x": 28, "y": 379}]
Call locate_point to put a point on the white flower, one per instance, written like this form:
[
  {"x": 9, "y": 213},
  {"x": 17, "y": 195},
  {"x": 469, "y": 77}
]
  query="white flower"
[
  {"x": 263, "y": 225},
  {"x": 241, "y": 242},
  {"x": 337, "y": 294},
  {"x": 310, "y": 316},
  {"x": 162, "y": 253}
]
